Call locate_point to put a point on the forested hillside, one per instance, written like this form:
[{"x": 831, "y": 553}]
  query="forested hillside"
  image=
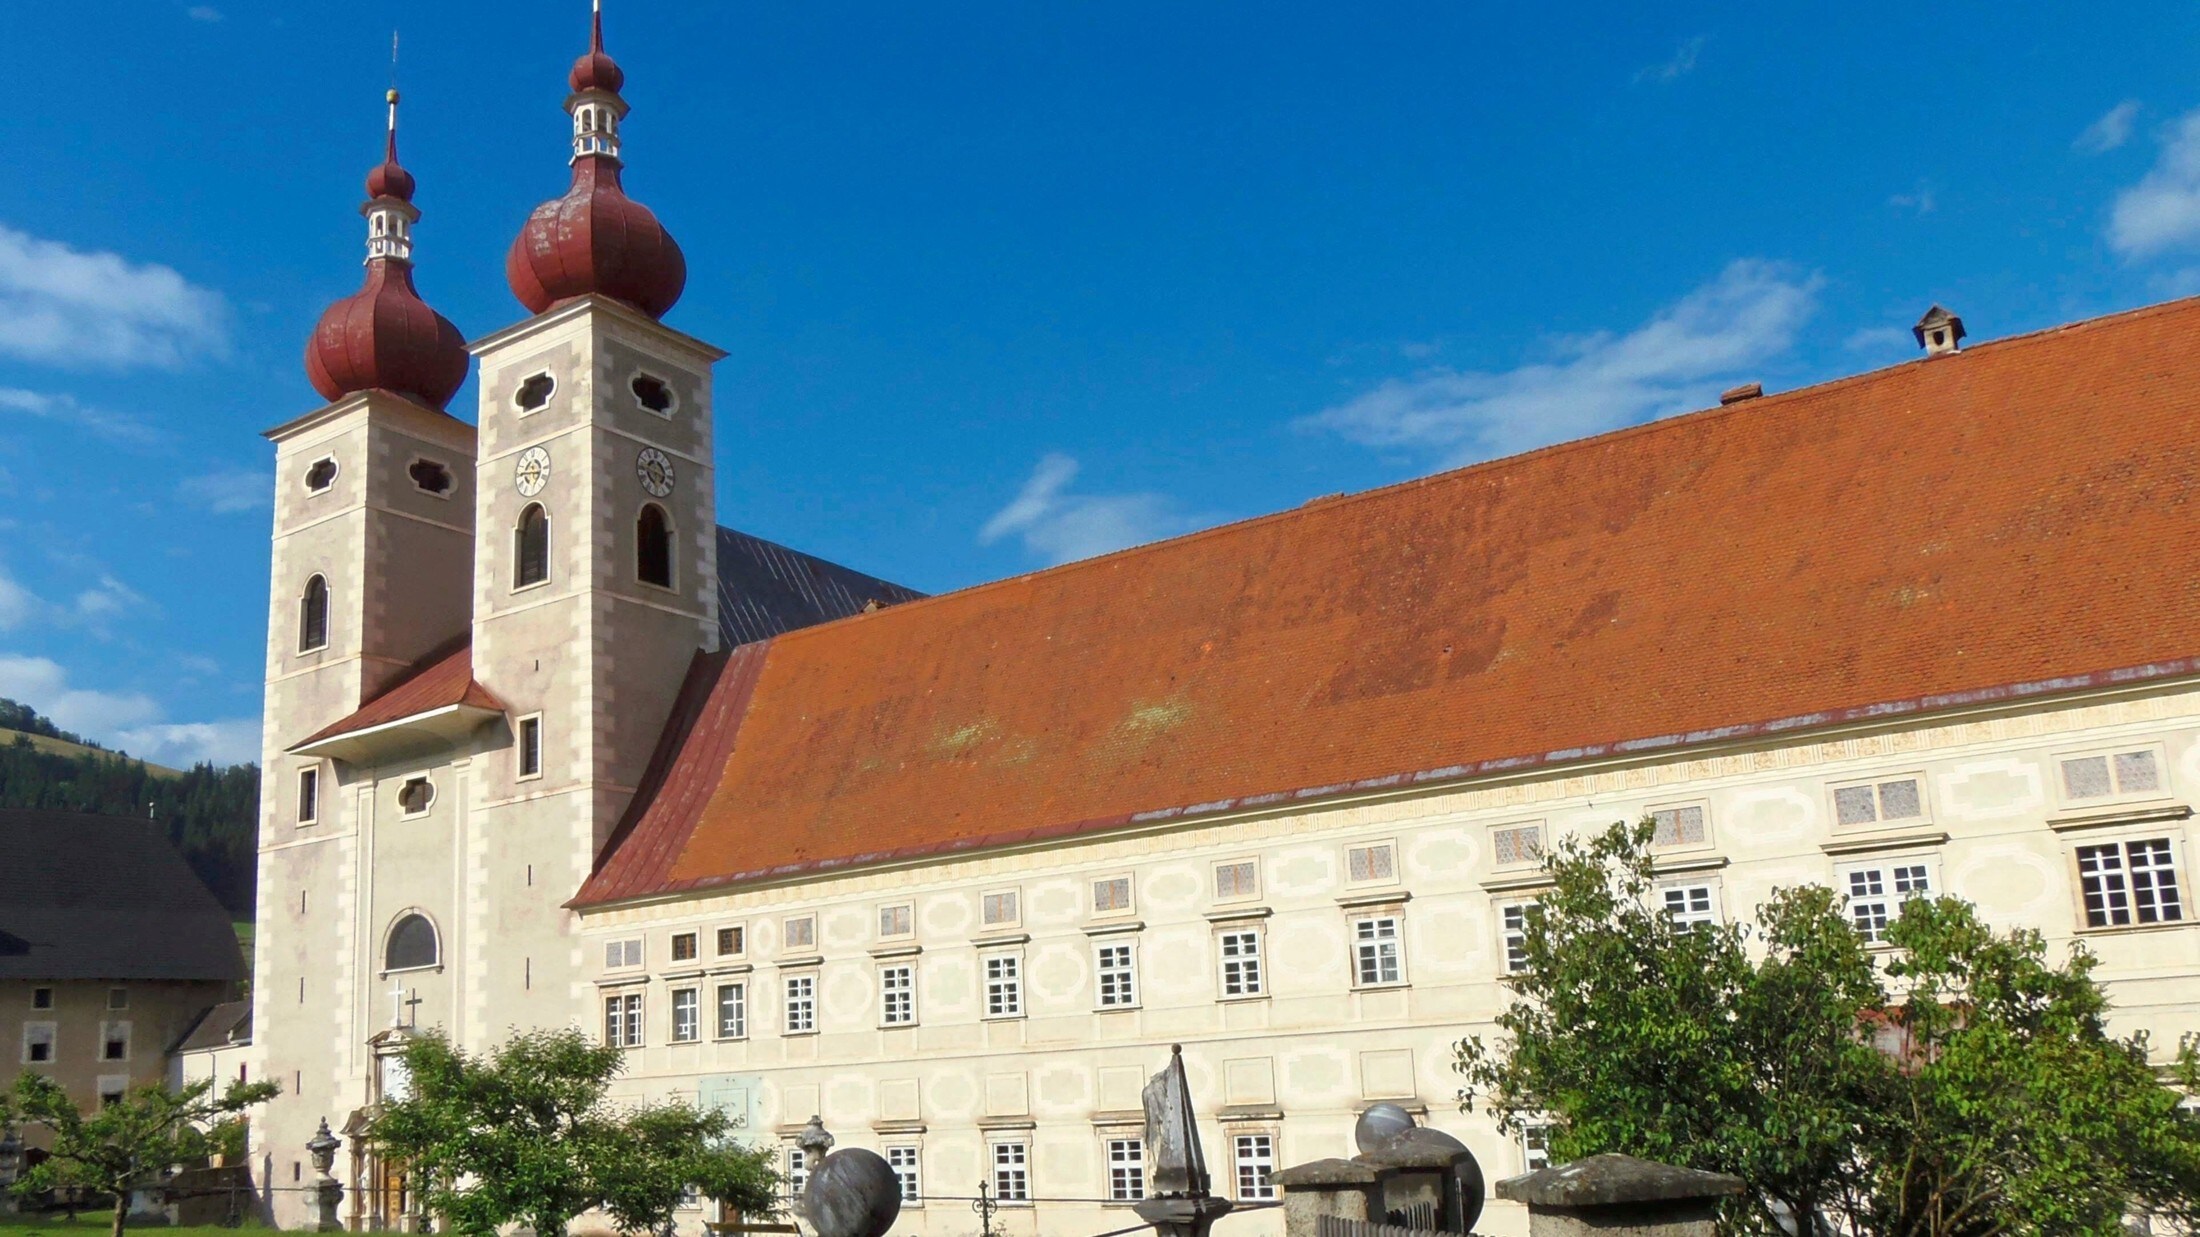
[{"x": 210, "y": 813}]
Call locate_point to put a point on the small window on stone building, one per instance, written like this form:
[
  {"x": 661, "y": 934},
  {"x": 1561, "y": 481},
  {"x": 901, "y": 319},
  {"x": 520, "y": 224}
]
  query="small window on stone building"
[
  {"x": 531, "y": 547},
  {"x": 1535, "y": 1147},
  {"x": 118, "y": 998},
  {"x": 1110, "y": 895},
  {"x": 1679, "y": 826},
  {"x": 732, "y": 942},
  {"x": 309, "y": 796},
  {"x": 799, "y": 933},
  {"x": 416, "y": 796},
  {"x": 653, "y": 546},
  {"x": 1873, "y": 802},
  {"x": 412, "y": 944},
  {"x": 1517, "y": 845},
  {"x": 2115, "y": 775},
  {"x": 430, "y": 477},
  {"x": 114, "y": 1041},
  {"x": 112, "y": 1091},
  {"x": 1237, "y": 880},
  {"x": 683, "y": 947},
  {"x": 534, "y": 392},
  {"x": 313, "y": 615},
  {"x": 896, "y": 920},
  {"x": 41, "y": 998},
  {"x": 1000, "y": 908},
  {"x": 651, "y": 392},
  {"x": 320, "y": 475},
  {"x": 618, "y": 954},
  {"x": 529, "y": 741},
  {"x": 1370, "y": 863},
  {"x": 38, "y": 1040}
]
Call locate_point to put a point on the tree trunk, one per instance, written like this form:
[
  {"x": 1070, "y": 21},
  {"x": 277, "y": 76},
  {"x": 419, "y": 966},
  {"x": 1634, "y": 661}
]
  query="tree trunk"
[{"x": 122, "y": 1212}]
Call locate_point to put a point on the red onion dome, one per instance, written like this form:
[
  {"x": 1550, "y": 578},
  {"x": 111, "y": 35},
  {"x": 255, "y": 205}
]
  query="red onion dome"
[
  {"x": 596, "y": 239},
  {"x": 384, "y": 337},
  {"x": 595, "y": 70},
  {"x": 390, "y": 179}
]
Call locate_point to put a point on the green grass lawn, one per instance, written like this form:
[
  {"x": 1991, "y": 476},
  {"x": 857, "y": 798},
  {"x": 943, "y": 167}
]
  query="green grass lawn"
[{"x": 91, "y": 1224}]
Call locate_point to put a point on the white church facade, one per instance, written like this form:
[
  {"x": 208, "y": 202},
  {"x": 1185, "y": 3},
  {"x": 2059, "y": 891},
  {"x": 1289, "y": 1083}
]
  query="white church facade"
[{"x": 545, "y": 745}]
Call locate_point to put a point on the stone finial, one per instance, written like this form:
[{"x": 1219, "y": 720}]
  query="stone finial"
[
  {"x": 813, "y": 1139},
  {"x": 1938, "y": 331}
]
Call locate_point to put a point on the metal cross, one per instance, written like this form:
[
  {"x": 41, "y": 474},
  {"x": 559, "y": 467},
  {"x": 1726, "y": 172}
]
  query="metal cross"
[
  {"x": 412, "y": 1009},
  {"x": 397, "y": 1002}
]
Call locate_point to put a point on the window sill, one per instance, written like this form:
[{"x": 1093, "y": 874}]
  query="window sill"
[
  {"x": 2134, "y": 929},
  {"x": 1393, "y": 985},
  {"x": 1000, "y": 1017},
  {"x": 530, "y": 587},
  {"x": 809, "y": 1034},
  {"x": 1860, "y": 840},
  {"x": 897, "y": 1026},
  {"x": 729, "y": 1039},
  {"x": 1241, "y": 998},
  {"x": 682, "y": 1043},
  {"x": 1117, "y": 1009},
  {"x": 414, "y": 970}
]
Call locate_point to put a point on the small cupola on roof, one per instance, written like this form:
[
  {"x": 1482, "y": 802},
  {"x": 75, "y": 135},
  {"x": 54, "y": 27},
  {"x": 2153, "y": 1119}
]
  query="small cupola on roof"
[
  {"x": 596, "y": 239},
  {"x": 1938, "y": 331},
  {"x": 384, "y": 337}
]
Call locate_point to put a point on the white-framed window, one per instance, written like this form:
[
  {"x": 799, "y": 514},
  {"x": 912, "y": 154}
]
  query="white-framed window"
[
  {"x": 1535, "y": 1147},
  {"x": 1376, "y": 959},
  {"x": 416, "y": 796},
  {"x": 1253, "y": 1156},
  {"x": 1111, "y": 895},
  {"x": 114, "y": 1041},
  {"x": 1011, "y": 1170},
  {"x": 1240, "y": 953},
  {"x": 1681, "y": 825},
  {"x": 309, "y": 795},
  {"x": 1126, "y": 1170},
  {"x": 618, "y": 955},
  {"x": 534, "y": 392},
  {"x": 1512, "y": 933},
  {"x": 112, "y": 1088},
  {"x": 799, "y": 933},
  {"x": 733, "y": 1011},
  {"x": 691, "y": 1197},
  {"x": 1517, "y": 846},
  {"x": 732, "y": 942},
  {"x": 321, "y": 475},
  {"x": 2128, "y": 773},
  {"x": 1115, "y": 964},
  {"x": 1239, "y": 878},
  {"x": 687, "y": 1015},
  {"x": 1691, "y": 906},
  {"x": 908, "y": 1172},
  {"x": 898, "y": 920},
  {"x": 1000, "y": 908},
  {"x": 622, "y": 1020},
  {"x": 897, "y": 994},
  {"x": 798, "y": 1172},
  {"x": 1883, "y": 800},
  {"x": 1877, "y": 890},
  {"x": 527, "y": 748},
  {"x": 2133, "y": 882},
  {"x": 38, "y": 1043},
  {"x": 1371, "y": 864},
  {"x": 801, "y": 1004},
  {"x": 1004, "y": 986}
]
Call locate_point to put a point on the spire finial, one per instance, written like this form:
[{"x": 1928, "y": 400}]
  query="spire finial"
[{"x": 595, "y": 25}]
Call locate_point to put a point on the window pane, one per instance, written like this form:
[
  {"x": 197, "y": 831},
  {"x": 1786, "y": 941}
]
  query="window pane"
[
  {"x": 2153, "y": 881},
  {"x": 1900, "y": 800},
  {"x": 1236, "y": 880},
  {"x": 1112, "y": 895},
  {"x": 1518, "y": 844},
  {"x": 2101, "y": 882},
  {"x": 1678, "y": 826},
  {"x": 1370, "y": 863},
  {"x": 1126, "y": 1169},
  {"x": 801, "y": 933},
  {"x": 1255, "y": 1162},
  {"x": 2086, "y": 777},
  {"x": 903, "y": 1160},
  {"x": 2135, "y": 773},
  {"x": 733, "y": 1011}
]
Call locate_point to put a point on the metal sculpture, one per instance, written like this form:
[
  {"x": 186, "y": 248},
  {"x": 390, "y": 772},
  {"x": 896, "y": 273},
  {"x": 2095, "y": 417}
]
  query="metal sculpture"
[{"x": 1180, "y": 1205}]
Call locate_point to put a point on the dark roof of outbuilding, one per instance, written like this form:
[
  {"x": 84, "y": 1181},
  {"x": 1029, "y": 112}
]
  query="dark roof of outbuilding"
[
  {"x": 226, "y": 1025},
  {"x": 766, "y": 589},
  {"x": 105, "y": 897}
]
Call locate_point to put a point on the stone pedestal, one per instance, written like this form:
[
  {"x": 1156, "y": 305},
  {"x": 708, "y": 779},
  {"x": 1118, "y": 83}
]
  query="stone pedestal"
[
  {"x": 1430, "y": 1173},
  {"x": 1620, "y": 1196},
  {"x": 1181, "y": 1216},
  {"x": 1345, "y": 1189}
]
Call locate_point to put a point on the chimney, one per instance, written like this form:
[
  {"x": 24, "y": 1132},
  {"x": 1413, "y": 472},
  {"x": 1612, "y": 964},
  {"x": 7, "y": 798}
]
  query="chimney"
[
  {"x": 1938, "y": 331},
  {"x": 1735, "y": 395}
]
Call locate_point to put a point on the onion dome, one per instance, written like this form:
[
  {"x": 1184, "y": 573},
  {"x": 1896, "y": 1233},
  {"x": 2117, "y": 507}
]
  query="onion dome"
[
  {"x": 384, "y": 337},
  {"x": 596, "y": 239}
]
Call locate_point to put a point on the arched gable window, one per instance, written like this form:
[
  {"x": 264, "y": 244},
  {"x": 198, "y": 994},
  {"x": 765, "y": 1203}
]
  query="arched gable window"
[
  {"x": 412, "y": 944},
  {"x": 531, "y": 547},
  {"x": 653, "y": 546},
  {"x": 313, "y": 615}
]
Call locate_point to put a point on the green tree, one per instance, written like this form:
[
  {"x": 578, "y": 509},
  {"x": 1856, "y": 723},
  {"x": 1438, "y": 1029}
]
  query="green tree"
[
  {"x": 526, "y": 1134},
  {"x": 1982, "y": 1096},
  {"x": 126, "y": 1145}
]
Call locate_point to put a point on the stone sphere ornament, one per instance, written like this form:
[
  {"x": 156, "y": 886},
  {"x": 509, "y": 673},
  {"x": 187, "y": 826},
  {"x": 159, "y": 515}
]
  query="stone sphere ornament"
[
  {"x": 1379, "y": 1124},
  {"x": 852, "y": 1193}
]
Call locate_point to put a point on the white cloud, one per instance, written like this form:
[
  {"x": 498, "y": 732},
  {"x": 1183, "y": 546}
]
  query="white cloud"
[
  {"x": 1921, "y": 201},
  {"x": 1879, "y": 339},
  {"x": 1060, "y": 526},
  {"x": 1676, "y": 361},
  {"x": 2113, "y": 129},
  {"x": 2162, "y": 211},
  {"x": 105, "y": 600},
  {"x": 64, "y": 306},
  {"x": 17, "y": 604},
  {"x": 203, "y": 12},
  {"x": 129, "y": 721},
  {"x": 1679, "y": 65},
  {"x": 227, "y": 491},
  {"x": 112, "y": 426}
]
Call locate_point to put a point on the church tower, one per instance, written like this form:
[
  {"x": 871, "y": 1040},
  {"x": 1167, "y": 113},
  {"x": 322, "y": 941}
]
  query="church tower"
[
  {"x": 372, "y": 558},
  {"x": 595, "y": 572}
]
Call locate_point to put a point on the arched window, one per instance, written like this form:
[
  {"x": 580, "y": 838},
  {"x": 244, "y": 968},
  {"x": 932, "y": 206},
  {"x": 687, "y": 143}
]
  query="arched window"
[
  {"x": 531, "y": 547},
  {"x": 653, "y": 546},
  {"x": 313, "y": 616},
  {"x": 412, "y": 944}
]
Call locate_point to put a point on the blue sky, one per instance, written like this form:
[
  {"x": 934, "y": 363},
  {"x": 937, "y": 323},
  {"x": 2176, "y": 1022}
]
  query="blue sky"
[{"x": 1007, "y": 284}]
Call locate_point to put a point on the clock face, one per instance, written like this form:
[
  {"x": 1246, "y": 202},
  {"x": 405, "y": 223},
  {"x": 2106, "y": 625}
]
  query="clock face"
[
  {"x": 532, "y": 472},
  {"x": 655, "y": 470}
]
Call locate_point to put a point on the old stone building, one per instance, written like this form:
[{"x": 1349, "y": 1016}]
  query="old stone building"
[
  {"x": 545, "y": 745},
  {"x": 110, "y": 951}
]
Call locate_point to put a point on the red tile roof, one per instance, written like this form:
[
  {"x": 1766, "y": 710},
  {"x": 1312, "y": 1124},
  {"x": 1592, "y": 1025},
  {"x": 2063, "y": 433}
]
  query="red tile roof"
[
  {"x": 436, "y": 683},
  {"x": 2018, "y": 517}
]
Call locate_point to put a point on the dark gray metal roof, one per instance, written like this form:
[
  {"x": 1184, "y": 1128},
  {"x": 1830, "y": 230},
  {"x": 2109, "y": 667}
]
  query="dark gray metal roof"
[
  {"x": 226, "y": 1025},
  {"x": 105, "y": 897},
  {"x": 765, "y": 589}
]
